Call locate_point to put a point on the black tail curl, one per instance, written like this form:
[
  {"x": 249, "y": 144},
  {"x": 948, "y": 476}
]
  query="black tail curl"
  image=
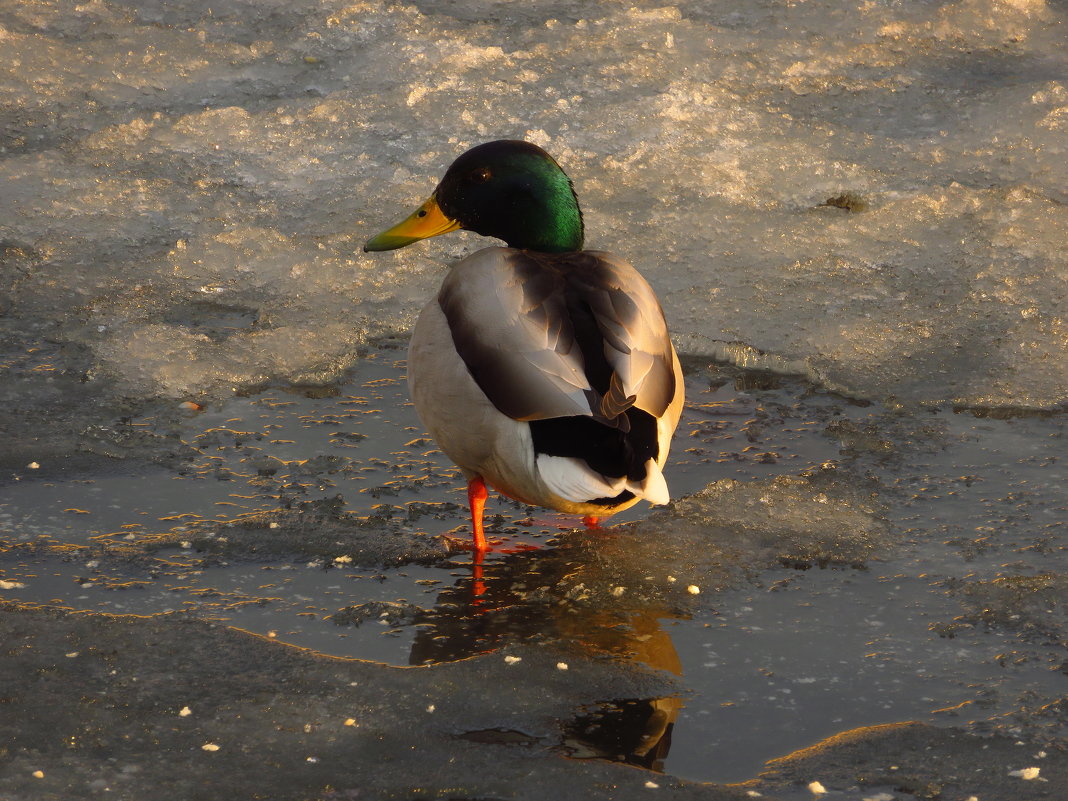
[{"x": 609, "y": 451}]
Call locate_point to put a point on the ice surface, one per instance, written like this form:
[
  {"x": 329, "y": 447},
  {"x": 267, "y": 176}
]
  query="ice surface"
[{"x": 870, "y": 193}]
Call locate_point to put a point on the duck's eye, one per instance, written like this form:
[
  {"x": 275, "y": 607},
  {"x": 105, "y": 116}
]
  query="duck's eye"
[{"x": 481, "y": 175}]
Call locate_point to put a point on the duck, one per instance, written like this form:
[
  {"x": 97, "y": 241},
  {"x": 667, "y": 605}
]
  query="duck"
[{"x": 542, "y": 370}]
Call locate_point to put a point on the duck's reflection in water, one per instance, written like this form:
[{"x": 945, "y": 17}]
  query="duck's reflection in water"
[{"x": 539, "y": 596}]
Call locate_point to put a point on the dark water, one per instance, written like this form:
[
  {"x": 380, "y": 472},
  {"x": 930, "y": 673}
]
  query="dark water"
[{"x": 975, "y": 545}]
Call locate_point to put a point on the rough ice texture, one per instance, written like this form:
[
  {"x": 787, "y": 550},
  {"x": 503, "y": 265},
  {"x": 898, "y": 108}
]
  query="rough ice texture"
[
  {"x": 807, "y": 519},
  {"x": 873, "y": 194},
  {"x": 314, "y": 529},
  {"x": 718, "y": 536}
]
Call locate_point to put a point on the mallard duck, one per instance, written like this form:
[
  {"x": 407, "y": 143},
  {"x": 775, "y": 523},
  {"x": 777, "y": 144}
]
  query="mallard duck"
[{"x": 541, "y": 369}]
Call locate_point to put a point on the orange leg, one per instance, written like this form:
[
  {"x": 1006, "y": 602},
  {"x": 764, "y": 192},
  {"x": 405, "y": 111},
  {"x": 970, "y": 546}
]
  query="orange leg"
[
  {"x": 476, "y": 498},
  {"x": 591, "y": 522},
  {"x": 478, "y": 586}
]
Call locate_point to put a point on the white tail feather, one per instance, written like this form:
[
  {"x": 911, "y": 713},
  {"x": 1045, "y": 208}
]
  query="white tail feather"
[
  {"x": 573, "y": 480},
  {"x": 654, "y": 489}
]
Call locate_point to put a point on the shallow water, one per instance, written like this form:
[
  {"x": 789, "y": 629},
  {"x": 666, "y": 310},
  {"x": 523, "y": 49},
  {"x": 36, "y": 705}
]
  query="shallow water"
[{"x": 770, "y": 663}]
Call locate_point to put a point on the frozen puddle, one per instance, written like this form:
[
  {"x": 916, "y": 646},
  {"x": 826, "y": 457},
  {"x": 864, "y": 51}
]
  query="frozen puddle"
[{"x": 946, "y": 625}]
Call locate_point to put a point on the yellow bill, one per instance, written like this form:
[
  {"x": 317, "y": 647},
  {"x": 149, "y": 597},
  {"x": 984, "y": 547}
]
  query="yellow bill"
[{"x": 428, "y": 220}]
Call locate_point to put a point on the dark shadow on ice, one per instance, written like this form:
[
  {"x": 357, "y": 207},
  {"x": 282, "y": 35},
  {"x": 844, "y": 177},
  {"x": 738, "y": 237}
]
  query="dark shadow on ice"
[
  {"x": 636, "y": 732},
  {"x": 526, "y": 597}
]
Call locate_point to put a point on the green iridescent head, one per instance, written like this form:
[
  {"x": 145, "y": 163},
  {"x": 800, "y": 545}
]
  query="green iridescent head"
[{"x": 507, "y": 189}]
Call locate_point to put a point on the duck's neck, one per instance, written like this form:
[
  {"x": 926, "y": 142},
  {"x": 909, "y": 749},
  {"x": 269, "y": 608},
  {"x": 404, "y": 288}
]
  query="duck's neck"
[
  {"x": 542, "y": 214},
  {"x": 557, "y": 228}
]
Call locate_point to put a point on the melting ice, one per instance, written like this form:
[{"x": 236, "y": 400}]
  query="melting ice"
[{"x": 871, "y": 194}]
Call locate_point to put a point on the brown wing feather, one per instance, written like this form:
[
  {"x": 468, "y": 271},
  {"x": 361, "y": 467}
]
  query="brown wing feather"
[{"x": 556, "y": 335}]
